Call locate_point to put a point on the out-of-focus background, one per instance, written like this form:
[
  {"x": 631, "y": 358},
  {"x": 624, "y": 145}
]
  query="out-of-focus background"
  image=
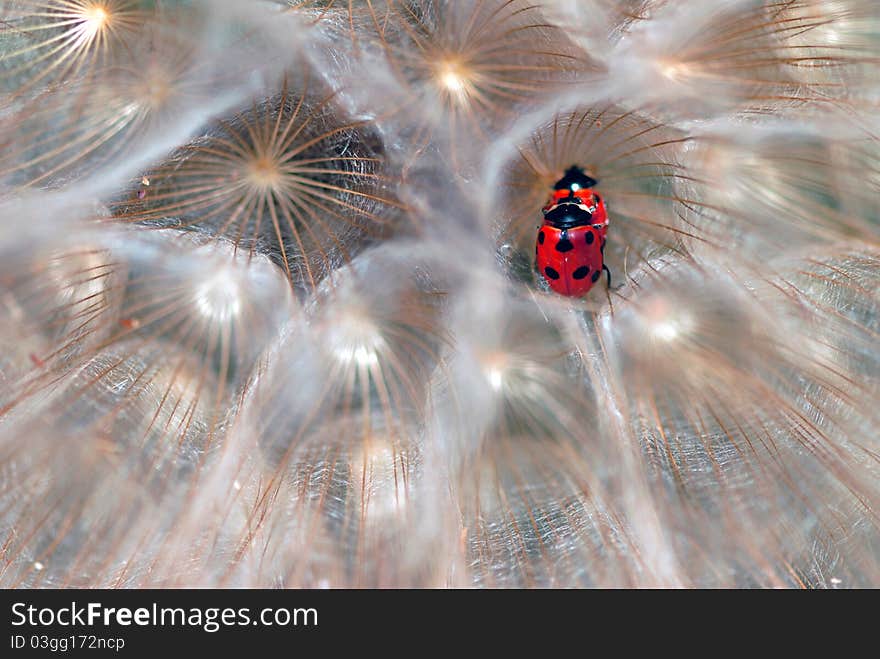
[{"x": 269, "y": 314}]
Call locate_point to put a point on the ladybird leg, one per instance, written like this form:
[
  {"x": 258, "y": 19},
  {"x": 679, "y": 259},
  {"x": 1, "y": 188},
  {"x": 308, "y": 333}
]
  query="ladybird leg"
[{"x": 605, "y": 268}]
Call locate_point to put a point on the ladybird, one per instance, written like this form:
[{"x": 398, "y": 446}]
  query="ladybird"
[{"x": 569, "y": 251}]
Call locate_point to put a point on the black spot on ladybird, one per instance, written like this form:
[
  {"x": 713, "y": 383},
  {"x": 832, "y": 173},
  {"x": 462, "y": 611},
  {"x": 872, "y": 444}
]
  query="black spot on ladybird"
[
  {"x": 550, "y": 272},
  {"x": 540, "y": 237},
  {"x": 590, "y": 238},
  {"x": 564, "y": 245},
  {"x": 581, "y": 272},
  {"x": 595, "y": 276}
]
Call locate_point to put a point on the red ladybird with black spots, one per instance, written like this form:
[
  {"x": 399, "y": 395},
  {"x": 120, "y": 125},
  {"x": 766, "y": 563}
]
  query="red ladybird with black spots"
[{"x": 569, "y": 252}]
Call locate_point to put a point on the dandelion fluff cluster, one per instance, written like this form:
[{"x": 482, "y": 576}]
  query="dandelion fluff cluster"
[{"x": 269, "y": 314}]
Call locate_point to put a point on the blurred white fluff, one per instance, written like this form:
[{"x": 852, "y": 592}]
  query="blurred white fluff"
[{"x": 269, "y": 316}]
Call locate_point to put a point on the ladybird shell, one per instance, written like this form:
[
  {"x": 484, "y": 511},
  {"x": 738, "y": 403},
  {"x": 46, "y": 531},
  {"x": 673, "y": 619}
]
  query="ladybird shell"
[{"x": 569, "y": 259}]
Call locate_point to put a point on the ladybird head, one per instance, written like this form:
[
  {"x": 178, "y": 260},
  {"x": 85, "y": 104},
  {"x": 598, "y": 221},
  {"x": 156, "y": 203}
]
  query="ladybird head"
[{"x": 575, "y": 179}]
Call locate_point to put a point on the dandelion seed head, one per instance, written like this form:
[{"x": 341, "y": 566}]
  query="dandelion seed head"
[
  {"x": 455, "y": 78},
  {"x": 142, "y": 92},
  {"x": 267, "y": 285},
  {"x": 666, "y": 320},
  {"x": 353, "y": 335},
  {"x": 738, "y": 57},
  {"x": 59, "y": 40},
  {"x": 138, "y": 423},
  {"x": 665, "y": 330},
  {"x": 357, "y": 343},
  {"x": 218, "y": 298},
  {"x": 158, "y": 88},
  {"x": 264, "y": 174},
  {"x": 58, "y": 298},
  {"x": 495, "y": 374},
  {"x": 451, "y": 80},
  {"x": 286, "y": 179},
  {"x": 766, "y": 194},
  {"x": 685, "y": 329},
  {"x": 469, "y": 66},
  {"x": 96, "y": 18},
  {"x": 675, "y": 71}
]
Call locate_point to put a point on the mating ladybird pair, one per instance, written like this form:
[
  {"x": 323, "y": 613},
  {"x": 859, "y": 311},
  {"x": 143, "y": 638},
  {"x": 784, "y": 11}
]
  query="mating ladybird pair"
[{"x": 571, "y": 243}]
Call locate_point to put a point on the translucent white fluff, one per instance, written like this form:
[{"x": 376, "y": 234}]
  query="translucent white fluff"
[{"x": 270, "y": 316}]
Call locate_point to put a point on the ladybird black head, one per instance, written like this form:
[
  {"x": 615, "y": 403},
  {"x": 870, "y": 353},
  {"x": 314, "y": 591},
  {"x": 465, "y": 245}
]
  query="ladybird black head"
[
  {"x": 575, "y": 179},
  {"x": 566, "y": 216}
]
